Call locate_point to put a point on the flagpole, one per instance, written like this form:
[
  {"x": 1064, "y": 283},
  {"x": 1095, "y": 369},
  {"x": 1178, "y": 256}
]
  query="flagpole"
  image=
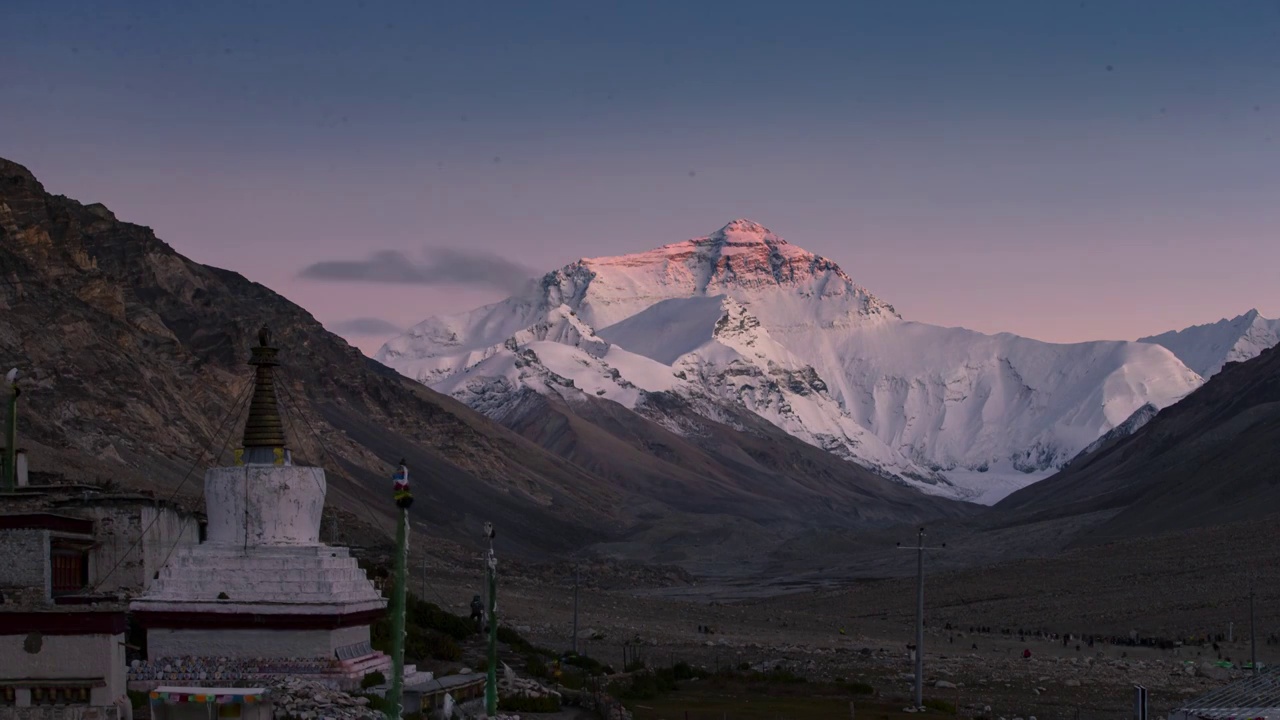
[
  {"x": 403, "y": 498},
  {"x": 491, "y": 680}
]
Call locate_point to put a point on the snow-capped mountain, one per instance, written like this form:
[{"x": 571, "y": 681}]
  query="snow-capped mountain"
[
  {"x": 1206, "y": 348},
  {"x": 742, "y": 320}
]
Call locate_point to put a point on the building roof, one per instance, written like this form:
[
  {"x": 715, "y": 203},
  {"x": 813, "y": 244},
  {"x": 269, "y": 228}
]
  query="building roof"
[
  {"x": 1251, "y": 697},
  {"x": 46, "y": 521}
]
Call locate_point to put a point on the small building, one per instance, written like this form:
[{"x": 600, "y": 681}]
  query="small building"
[
  {"x": 1253, "y": 698},
  {"x": 57, "y": 649},
  {"x": 428, "y": 695},
  {"x": 198, "y": 703},
  {"x": 45, "y": 551}
]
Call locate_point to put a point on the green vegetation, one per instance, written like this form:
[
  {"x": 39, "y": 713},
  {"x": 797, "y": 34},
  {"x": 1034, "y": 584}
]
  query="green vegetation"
[
  {"x": 431, "y": 632},
  {"x": 138, "y": 698},
  {"x": 372, "y": 679},
  {"x": 940, "y": 706},
  {"x": 525, "y": 703}
]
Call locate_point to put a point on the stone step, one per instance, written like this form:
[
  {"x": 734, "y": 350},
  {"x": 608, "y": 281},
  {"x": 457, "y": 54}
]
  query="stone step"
[
  {"x": 317, "y": 598},
  {"x": 281, "y": 574},
  {"x": 209, "y": 548},
  {"x": 230, "y": 562}
]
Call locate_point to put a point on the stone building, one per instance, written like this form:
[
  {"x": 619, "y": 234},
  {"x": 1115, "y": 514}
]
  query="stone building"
[
  {"x": 262, "y": 596},
  {"x": 60, "y": 652},
  {"x": 132, "y": 534}
]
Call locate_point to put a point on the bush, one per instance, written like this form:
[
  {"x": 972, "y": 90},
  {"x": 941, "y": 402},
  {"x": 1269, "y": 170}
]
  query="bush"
[
  {"x": 526, "y": 703},
  {"x": 512, "y": 639},
  {"x": 376, "y": 702},
  {"x": 432, "y": 617},
  {"x": 373, "y": 679},
  {"x": 590, "y": 664},
  {"x": 941, "y": 706},
  {"x": 859, "y": 688},
  {"x": 644, "y": 685},
  {"x": 138, "y": 698}
]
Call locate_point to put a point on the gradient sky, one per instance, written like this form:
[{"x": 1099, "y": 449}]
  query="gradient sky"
[{"x": 1063, "y": 170}]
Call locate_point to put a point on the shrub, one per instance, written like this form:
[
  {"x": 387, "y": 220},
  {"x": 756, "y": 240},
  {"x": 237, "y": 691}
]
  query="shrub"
[
  {"x": 941, "y": 706},
  {"x": 590, "y": 664},
  {"x": 644, "y": 685},
  {"x": 859, "y": 688},
  {"x": 528, "y": 703},
  {"x": 432, "y": 617},
  {"x": 373, "y": 679}
]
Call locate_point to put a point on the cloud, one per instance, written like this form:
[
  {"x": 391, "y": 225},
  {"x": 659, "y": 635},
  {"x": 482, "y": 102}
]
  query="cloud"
[
  {"x": 442, "y": 265},
  {"x": 365, "y": 326}
]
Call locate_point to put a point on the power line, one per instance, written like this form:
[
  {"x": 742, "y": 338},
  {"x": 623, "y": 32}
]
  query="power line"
[
  {"x": 324, "y": 450},
  {"x": 177, "y": 538},
  {"x": 212, "y": 439}
]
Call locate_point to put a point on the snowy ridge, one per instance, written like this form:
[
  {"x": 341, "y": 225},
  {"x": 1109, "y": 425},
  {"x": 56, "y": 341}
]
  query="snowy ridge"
[
  {"x": 743, "y": 320},
  {"x": 1206, "y": 348}
]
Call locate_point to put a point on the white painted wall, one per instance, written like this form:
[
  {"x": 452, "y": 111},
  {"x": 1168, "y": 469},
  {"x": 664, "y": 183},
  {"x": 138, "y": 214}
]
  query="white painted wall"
[
  {"x": 117, "y": 526},
  {"x": 165, "y": 642},
  {"x": 196, "y": 711},
  {"x": 264, "y": 504},
  {"x": 68, "y": 656}
]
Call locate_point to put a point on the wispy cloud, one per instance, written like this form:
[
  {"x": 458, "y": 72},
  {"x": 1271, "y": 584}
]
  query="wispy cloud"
[
  {"x": 365, "y": 326},
  {"x": 440, "y": 266}
]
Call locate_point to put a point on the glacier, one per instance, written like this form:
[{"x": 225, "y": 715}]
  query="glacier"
[{"x": 743, "y": 320}]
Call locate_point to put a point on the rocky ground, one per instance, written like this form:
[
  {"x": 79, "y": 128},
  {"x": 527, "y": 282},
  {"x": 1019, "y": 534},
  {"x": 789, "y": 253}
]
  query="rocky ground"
[{"x": 1174, "y": 587}]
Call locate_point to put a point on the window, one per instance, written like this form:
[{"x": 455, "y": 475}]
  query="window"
[{"x": 70, "y": 570}]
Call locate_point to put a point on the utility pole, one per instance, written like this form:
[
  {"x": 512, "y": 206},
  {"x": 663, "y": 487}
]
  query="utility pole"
[
  {"x": 920, "y": 550},
  {"x": 575, "y": 609},
  {"x": 491, "y": 571},
  {"x": 403, "y": 498},
  {"x": 1253, "y": 636},
  {"x": 11, "y": 434}
]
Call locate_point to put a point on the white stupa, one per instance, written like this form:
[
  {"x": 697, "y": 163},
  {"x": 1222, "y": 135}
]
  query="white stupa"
[{"x": 262, "y": 592}]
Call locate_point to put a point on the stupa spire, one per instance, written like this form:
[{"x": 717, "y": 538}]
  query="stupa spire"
[{"x": 264, "y": 429}]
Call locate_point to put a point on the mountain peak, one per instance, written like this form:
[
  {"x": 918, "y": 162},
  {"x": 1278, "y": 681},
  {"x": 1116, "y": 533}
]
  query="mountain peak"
[{"x": 743, "y": 226}]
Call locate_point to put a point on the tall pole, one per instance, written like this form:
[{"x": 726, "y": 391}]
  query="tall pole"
[
  {"x": 575, "y": 609},
  {"x": 491, "y": 683},
  {"x": 11, "y": 434},
  {"x": 404, "y": 499},
  {"x": 1253, "y": 637},
  {"x": 920, "y": 620},
  {"x": 920, "y": 551}
]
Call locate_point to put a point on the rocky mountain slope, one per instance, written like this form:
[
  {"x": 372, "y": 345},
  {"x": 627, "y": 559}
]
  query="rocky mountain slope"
[
  {"x": 741, "y": 320},
  {"x": 133, "y": 360},
  {"x": 1210, "y": 459},
  {"x": 1206, "y": 348}
]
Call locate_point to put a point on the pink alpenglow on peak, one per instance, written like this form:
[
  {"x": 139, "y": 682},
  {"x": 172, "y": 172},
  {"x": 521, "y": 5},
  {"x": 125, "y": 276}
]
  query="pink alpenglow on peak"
[{"x": 742, "y": 319}]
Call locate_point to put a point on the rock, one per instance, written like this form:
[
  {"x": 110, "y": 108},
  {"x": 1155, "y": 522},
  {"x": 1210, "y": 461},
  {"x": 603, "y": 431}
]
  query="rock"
[
  {"x": 944, "y": 685},
  {"x": 1071, "y": 682}
]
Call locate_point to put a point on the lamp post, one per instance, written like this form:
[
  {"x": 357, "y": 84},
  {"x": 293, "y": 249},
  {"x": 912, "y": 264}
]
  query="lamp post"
[{"x": 11, "y": 433}]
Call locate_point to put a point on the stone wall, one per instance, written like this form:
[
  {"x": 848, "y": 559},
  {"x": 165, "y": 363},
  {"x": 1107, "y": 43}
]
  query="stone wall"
[
  {"x": 169, "y": 643},
  {"x": 25, "y": 562}
]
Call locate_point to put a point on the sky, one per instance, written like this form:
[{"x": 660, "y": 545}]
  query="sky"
[{"x": 1063, "y": 170}]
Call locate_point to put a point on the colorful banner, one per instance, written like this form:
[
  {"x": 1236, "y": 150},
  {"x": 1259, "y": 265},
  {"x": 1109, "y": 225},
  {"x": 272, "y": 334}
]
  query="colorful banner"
[{"x": 161, "y": 697}]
